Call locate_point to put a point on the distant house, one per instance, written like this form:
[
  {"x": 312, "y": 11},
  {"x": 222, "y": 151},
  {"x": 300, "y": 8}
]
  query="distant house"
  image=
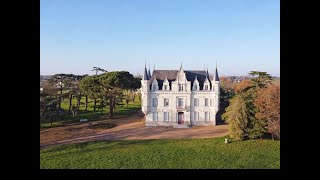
[
  {"x": 60, "y": 84},
  {"x": 179, "y": 97}
]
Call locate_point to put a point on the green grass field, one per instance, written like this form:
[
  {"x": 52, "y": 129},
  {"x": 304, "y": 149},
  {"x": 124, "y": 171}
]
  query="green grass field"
[
  {"x": 185, "y": 153},
  {"x": 91, "y": 115}
]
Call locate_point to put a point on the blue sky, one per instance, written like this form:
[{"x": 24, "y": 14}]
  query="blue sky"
[{"x": 242, "y": 35}]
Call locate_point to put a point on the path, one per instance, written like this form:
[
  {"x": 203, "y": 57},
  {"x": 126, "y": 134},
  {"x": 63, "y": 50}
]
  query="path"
[{"x": 127, "y": 128}]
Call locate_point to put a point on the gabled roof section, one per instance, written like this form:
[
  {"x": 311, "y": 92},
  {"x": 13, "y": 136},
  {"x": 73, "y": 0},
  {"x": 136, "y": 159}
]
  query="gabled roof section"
[
  {"x": 171, "y": 75},
  {"x": 154, "y": 80}
]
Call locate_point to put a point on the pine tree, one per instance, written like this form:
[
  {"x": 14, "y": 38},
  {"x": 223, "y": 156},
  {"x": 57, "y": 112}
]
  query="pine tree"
[
  {"x": 256, "y": 126},
  {"x": 237, "y": 117}
]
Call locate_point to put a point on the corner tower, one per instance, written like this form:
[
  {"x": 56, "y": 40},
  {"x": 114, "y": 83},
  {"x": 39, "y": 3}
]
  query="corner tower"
[
  {"x": 145, "y": 89},
  {"x": 216, "y": 89}
]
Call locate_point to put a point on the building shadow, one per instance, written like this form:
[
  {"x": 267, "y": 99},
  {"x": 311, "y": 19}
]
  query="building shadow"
[{"x": 222, "y": 110}]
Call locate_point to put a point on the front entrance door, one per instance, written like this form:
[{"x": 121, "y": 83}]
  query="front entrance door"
[{"x": 180, "y": 118}]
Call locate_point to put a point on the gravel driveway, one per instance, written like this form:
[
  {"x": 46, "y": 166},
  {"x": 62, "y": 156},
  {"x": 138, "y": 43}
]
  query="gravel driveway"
[{"x": 126, "y": 128}]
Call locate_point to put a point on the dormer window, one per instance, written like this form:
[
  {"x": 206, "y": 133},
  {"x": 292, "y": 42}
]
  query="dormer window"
[
  {"x": 206, "y": 87},
  {"x": 195, "y": 84},
  {"x": 165, "y": 87},
  {"x": 154, "y": 87}
]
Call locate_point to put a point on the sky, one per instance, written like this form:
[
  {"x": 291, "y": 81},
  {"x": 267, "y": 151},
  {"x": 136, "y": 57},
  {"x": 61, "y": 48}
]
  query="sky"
[{"x": 239, "y": 35}]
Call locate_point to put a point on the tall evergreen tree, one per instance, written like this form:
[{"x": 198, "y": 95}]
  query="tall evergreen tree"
[{"x": 237, "y": 117}]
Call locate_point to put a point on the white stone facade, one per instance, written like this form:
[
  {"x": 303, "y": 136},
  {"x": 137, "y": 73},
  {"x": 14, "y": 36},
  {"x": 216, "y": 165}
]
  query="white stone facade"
[{"x": 177, "y": 98}]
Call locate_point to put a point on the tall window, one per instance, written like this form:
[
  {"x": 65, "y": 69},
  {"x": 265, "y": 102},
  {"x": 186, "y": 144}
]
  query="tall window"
[
  {"x": 206, "y": 101},
  {"x": 166, "y": 116},
  {"x": 154, "y": 102},
  {"x": 206, "y": 116},
  {"x": 196, "y": 87},
  {"x": 165, "y": 87},
  {"x": 196, "y": 101},
  {"x": 206, "y": 87},
  {"x": 155, "y": 116},
  {"x": 180, "y": 87},
  {"x": 196, "y": 116},
  {"x": 180, "y": 102},
  {"x": 166, "y": 102}
]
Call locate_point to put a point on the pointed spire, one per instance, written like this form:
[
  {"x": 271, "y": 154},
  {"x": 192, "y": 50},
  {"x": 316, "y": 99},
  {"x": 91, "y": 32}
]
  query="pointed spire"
[
  {"x": 145, "y": 75},
  {"x": 216, "y": 76},
  {"x": 149, "y": 74},
  {"x": 181, "y": 68}
]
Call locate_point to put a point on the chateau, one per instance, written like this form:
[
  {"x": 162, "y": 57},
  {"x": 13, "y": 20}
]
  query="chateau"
[{"x": 180, "y": 98}]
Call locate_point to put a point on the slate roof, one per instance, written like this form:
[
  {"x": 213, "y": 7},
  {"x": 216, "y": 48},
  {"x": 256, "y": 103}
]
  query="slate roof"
[
  {"x": 149, "y": 74},
  {"x": 145, "y": 75},
  {"x": 171, "y": 75},
  {"x": 216, "y": 76}
]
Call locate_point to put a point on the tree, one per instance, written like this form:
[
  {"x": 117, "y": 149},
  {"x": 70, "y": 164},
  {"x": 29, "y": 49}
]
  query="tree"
[
  {"x": 72, "y": 85},
  {"x": 243, "y": 86},
  {"x": 256, "y": 127},
  {"x": 226, "y": 93},
  {"x": 268, "y": 104},
  {"x": 61, "y": 81},
  {"x": 227, "y": 83},
  {"x": 97, "y": 69},
  {"x": 48, "y": 108},
  {"x": 135, "y": 84},
  {"x": 127, "y": 96},
  {"x": 246, "y": 94},
  {"x": 261, "y": 80},
  {"x": 91, "y": 86},
  {"x": 113, "y": 83},
  {"x": 237, "y": 117}
]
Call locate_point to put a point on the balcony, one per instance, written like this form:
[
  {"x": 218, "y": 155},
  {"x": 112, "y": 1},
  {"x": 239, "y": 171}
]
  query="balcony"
[{"x": 181, "y": 107}]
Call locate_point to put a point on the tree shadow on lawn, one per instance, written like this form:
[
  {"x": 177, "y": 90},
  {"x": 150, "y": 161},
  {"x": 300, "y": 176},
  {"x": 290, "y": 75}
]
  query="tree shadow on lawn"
[
  {"x": 83, "y": 147},
  {"x": 93, "y": 116}
]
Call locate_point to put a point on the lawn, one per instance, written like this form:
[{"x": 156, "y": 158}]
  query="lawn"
[
  {"x": 93, "y": 115},
  {"x": 163, "y": 153}
]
